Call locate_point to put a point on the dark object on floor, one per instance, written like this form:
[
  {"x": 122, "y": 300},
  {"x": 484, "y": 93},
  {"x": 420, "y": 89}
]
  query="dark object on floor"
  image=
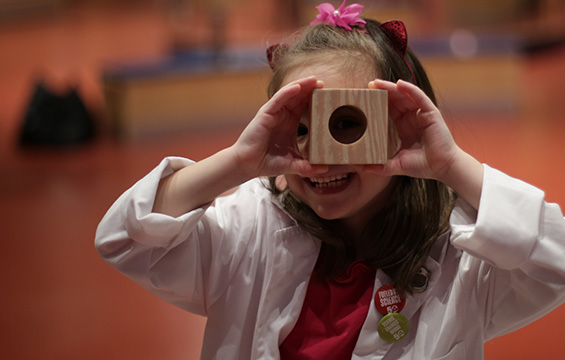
[{"x": 54, "y": 119}]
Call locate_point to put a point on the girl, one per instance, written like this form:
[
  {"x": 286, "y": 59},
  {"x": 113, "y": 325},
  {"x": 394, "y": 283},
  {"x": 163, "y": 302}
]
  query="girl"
[{"x": 425, "y": 257}]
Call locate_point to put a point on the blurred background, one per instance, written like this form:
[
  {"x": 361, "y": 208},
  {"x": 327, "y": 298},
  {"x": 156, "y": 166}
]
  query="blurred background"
[{"x": 94, "y": 93}]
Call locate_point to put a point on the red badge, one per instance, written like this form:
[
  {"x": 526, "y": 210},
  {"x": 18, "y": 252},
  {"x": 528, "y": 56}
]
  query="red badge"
[{"x": 387, "y": 300}]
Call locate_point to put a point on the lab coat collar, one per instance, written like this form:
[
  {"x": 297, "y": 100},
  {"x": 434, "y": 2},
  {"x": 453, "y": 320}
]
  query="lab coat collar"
[
  {"x": 287, "y": 275},
  {"x": 370, "y": 344}
]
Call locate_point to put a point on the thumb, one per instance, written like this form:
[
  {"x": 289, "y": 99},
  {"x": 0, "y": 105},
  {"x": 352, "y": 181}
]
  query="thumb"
[
  {"x": 390, "y": 168},
  {"x": 304, "y": 168}
]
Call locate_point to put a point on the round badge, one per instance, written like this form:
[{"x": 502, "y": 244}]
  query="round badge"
[
  {"x": 393, "y": 327},
  {"x": 387, "y": 300}
]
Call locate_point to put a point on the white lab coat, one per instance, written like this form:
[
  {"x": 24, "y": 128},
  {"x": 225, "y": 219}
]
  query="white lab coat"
[{"x": 245, "y": 264}]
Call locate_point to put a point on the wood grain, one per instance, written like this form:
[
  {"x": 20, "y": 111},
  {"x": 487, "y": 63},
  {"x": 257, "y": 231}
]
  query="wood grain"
[{"x": 371, "y": 148}]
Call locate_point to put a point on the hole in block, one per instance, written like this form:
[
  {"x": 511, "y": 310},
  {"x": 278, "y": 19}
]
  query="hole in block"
[{"x": 347, "y": 124}]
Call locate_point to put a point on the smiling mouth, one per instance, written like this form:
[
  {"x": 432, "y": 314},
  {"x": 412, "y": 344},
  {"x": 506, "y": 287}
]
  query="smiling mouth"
[{"x": 330, "y": 181}]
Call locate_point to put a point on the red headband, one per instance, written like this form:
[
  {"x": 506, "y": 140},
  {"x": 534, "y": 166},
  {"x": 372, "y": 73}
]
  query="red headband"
[{"x": 396, "y": 33}]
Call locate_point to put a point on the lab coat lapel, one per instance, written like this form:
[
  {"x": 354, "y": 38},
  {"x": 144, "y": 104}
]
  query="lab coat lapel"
[
  {"x": 289, "y": 266},
  {"x": 370, "y": 345}
]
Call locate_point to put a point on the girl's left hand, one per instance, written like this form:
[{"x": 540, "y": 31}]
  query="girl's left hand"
[{"x": 427, "y": 149}]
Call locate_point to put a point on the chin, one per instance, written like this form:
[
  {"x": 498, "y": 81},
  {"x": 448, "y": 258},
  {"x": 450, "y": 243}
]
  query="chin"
[{"x": 330, "y": 214}]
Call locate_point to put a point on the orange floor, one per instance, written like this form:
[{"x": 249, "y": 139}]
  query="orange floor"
[{"x": 60, "y": 301}]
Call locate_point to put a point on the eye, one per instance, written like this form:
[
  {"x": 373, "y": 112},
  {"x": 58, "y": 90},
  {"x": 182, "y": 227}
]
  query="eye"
[
  {"x": 302, "y": 130},
  {"x": 347, "y": 124}
]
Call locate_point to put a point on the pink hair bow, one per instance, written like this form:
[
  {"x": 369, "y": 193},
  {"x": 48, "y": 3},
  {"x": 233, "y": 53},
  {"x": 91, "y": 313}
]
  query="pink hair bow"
[{"x": 343, "y": 16}]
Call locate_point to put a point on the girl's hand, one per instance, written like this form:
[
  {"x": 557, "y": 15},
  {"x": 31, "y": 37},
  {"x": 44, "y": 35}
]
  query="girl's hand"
[
  {"x": 427, "y": 149},
  {"x": 267, "y": 146}
]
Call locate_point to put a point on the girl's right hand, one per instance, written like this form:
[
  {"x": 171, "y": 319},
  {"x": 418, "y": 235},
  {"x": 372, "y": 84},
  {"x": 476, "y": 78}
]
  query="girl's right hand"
[{"x": 267, "y": 146}]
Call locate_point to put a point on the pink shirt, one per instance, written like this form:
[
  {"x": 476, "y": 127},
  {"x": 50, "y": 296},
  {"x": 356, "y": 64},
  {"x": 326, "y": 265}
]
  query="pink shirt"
[{"x": 332, "y": 316}]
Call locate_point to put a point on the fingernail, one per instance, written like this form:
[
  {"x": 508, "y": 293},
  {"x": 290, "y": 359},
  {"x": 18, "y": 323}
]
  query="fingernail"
[{"x": 320, "y": 169}]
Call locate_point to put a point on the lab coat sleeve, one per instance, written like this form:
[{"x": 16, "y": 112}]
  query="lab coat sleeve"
[
  {"x": 514, "y": 252},
  {"x": 171, "y": 257}
]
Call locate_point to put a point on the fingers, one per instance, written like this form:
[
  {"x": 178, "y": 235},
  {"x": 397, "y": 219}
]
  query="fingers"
[
  {"x": 404, "y": 97},
  {"x": 390, "y": 168},
  {"x": 303, "y": 168},
  {"x": 293, "y": 95},
  {"x": 417, "y": 95}
]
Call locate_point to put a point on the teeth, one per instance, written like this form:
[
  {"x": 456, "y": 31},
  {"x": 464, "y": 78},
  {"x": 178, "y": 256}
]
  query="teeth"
[
  {"x": 334, "y": 180},
  {"x": 328, "y": 179}
]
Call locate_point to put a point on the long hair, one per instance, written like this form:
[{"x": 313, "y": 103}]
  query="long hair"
[{"x": 399, "y": 237}]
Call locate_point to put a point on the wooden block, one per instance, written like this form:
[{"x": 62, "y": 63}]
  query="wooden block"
[{"x": 349, "y": 126}]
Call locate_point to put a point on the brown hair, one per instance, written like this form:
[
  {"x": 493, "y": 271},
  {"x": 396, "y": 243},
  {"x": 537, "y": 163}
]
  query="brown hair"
[{"x": 398, "y": 239}]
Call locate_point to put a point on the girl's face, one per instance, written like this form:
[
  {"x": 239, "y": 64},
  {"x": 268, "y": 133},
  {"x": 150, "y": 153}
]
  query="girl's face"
[{"x": 344, "y": 192}]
